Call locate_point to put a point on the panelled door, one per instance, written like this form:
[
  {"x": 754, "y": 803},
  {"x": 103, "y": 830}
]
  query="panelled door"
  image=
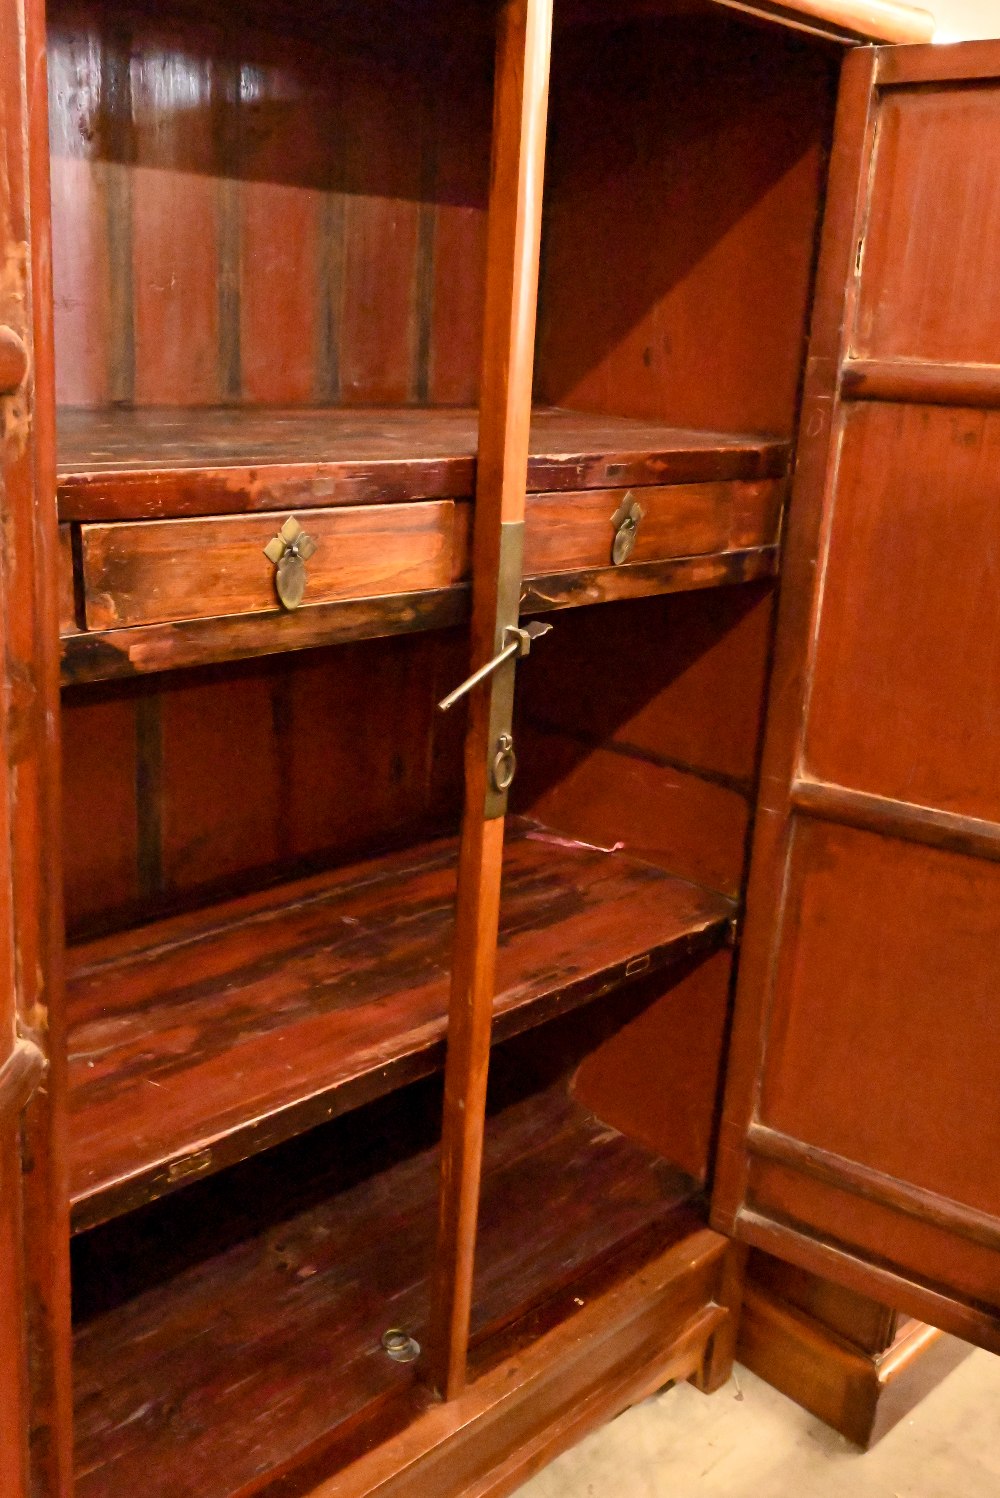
[
  {"x": 861, "y": 1133},
  {"x": 35, "y": 1423}
]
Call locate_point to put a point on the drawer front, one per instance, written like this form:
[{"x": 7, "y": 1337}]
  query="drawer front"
[
  {"x": 576, "y": 531},
  {"x": 150, "y": 572}
]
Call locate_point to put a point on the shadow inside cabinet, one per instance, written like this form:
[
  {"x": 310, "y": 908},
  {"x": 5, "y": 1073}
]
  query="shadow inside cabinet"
[{"x": 229, "y": 1334}]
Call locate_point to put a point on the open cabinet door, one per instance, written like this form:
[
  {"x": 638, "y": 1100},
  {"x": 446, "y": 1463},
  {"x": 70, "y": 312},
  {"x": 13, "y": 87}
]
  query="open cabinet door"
[
  {"x": 861, "y": 1132},
  {"x": 35, "y": 1406}
]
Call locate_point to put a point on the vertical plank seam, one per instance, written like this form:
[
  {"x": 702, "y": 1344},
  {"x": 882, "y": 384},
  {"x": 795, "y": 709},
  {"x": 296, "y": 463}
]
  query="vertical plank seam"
[
  {"x": 227, "y": 143},
  {"x": 330, "y": 261},
  {"x": 149, "y": 793},
  {"x": 423, "y": 287},
  {"x": 118, "y": 131}
]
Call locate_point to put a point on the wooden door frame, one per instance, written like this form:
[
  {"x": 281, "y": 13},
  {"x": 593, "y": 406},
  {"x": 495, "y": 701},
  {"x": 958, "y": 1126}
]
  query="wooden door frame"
[
  {"x": 35, "y": 1352},
  {"x": 513, "y": 250}
]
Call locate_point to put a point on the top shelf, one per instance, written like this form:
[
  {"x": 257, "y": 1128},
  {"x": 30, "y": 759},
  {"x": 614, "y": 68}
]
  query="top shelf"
[{"x": 156, "y": 463}]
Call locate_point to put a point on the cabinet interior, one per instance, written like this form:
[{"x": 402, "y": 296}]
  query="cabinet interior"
[{"x": 269, "y": 243}]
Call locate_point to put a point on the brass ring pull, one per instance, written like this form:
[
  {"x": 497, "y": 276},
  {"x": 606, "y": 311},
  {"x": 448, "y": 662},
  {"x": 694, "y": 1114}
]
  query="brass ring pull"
[
  {"x": 626, "y": 522},
  {"x": 504, "y": 763},
  {"x": 400, "y": 1346},
  {"x": 289, "y": 551}
]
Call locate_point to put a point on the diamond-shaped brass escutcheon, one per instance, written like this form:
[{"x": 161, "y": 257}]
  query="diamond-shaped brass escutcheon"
[
  {"x": 289, "y": 551},
  {"x": 626, "y": 522}
]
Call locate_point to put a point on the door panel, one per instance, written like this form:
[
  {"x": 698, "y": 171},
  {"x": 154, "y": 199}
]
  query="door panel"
[
  {"x": 871, "y": 1081},
  {"x": 929, "y": 288},
  {"x": 905, "y": 693},
  {"x": 861, "y": 1128}
]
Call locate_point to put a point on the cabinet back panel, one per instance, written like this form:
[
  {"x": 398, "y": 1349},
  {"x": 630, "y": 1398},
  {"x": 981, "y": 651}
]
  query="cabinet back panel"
[
  {"x": 684, "y": 179},
  {"x": 639, "y": 723},
  {"x": 243, "y": 214},
  {"x": 181, "y": 789},
  {"x": 656, "y": 1079}
]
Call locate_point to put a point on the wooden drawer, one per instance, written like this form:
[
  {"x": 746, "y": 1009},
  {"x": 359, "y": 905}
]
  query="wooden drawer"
[
  {"x": 575, "y": 531},
  {"x": 149, "y": 572}
]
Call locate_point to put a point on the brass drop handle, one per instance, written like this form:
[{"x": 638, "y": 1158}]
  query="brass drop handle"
[
  {"x": 626, "y": 523},
  {"x": 289, "y": 551},
  {"x": 13, "y": 362},
  {"x": 517, "y": 641}
]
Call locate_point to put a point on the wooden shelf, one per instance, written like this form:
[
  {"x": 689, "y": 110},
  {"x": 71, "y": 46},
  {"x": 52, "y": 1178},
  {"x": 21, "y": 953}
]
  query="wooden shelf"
[
  {"x": 150, "y": 586},
  {"x": 151, "y": 464},
  {"x": 260, "y": 1346},
  {"x": 205, "y": 1038}
]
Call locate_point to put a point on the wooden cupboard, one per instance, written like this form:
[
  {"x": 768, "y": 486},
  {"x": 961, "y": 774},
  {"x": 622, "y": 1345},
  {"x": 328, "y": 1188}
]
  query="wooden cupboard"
[{"x": 374, "y": 1120}]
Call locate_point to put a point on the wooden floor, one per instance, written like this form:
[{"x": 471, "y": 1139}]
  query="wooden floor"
[
  {"x": 205, "y": 1038},
  {"x": 261, "y": 1340}
]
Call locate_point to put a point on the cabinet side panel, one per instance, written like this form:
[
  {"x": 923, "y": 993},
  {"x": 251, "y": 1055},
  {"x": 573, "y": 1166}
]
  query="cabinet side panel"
[
  {"x": 685, "y": 179},
  {"x": 639, "y": 723},
  {"x": 34, "y": 1217}
]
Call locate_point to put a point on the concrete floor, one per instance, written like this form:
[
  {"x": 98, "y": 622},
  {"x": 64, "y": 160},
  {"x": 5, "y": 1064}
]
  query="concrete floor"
[{"x": 748, "y": 1441}]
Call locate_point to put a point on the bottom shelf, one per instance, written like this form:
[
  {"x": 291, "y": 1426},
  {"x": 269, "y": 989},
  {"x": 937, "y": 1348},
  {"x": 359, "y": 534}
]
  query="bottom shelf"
[{"x": 228, "y": 1336}]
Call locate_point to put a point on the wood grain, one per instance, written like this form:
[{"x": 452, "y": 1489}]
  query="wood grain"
[
  {"x": 877, "y": 1186},
  {"x": 863, "y": 1395},
  {"x": 105, "y": 655},
  {"x": 922, "y": 381},
  {"x": 335, "y": 1248},
  {"x": 612, "y": 584},
  {"x": 239, "y": 208},
  {"x": 543, "y": 1398},
  {"x": 155, "y": 572},
  {"x": 198, "y": 786},
  {"x": 100, "y": 866},
  {"x": 656, "y": 1076},
  {"x": 575, "y": 531},
  {"x": 679, "y": 244},
  {"x": 917, "y": 491},
  {"x": 13, "y": 362},
  {"x": 654, "y": 747},
  {"x": 217, "y": 1033},
  {"x": 824, "y": 1255},
  {"x": 153, "y": 464},
  {"x": 933, "y": 213},
  {"x": 868, "y": 1325},
  {"x": 862, "y": 1033},
  {"x": 35, "y": 1402},
  {"x": 524, "y": 31}
]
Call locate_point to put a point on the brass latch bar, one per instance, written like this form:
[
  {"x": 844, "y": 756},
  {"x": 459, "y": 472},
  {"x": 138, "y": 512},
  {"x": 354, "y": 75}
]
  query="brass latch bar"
[{"x": 517, "y": 643}]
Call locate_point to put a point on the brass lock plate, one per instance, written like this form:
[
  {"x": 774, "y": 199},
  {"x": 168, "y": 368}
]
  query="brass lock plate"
[
  {"x": 626, "y": 523},
  {"x": 289, "y": 551}
]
